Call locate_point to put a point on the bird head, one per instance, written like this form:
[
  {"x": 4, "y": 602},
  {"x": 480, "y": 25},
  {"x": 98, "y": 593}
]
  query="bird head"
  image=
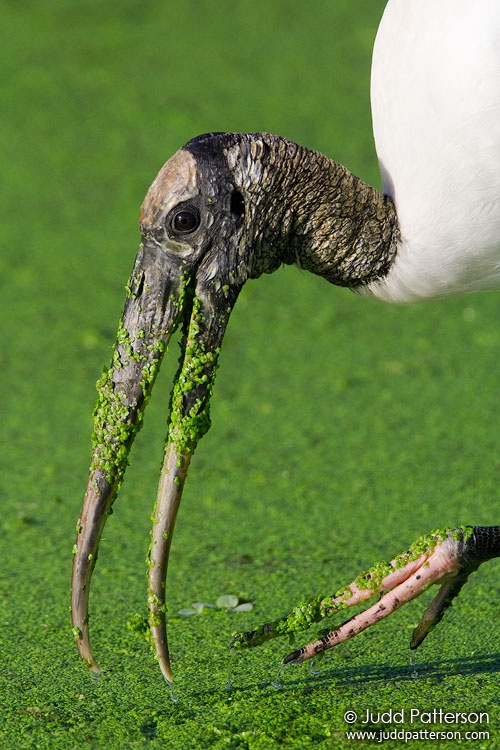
[
  {"x": 200, "y": 243},
  {"x": 225, "y": 208}
]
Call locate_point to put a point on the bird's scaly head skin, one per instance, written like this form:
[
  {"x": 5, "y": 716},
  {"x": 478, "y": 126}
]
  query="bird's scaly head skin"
[{"x": 223, "y": 209}]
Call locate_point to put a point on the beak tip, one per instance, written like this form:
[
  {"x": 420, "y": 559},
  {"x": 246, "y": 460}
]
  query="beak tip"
[
  {"x": 81, "y": 637},
  {"x": 167, "y": 676},
  {"x": 95, "y": 671}
]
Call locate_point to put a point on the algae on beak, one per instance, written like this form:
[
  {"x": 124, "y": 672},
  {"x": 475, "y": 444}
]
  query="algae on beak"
[{"x": 188, "y": 273}]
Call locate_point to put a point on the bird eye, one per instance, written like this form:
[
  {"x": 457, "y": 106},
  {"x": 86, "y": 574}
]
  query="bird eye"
[
  {"x": 237, "y": 205},
  {"x": 185, "y": 221}
]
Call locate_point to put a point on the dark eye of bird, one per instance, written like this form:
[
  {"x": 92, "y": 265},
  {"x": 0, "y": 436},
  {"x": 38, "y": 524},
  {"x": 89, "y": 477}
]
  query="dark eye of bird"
[
  {"x": 237, "y": 205},
  {"x": 185, "y": 221}
]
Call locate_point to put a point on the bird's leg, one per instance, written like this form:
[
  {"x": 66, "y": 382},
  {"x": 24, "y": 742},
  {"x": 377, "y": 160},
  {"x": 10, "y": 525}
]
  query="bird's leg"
[{"x": 445, "y": 557}]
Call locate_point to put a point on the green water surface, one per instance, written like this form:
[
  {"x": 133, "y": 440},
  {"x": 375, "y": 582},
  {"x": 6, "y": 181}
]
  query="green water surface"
[{"x": 342, "y": 429}]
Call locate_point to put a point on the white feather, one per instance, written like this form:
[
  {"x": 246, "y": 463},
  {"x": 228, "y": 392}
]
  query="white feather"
[{"x": 436, "y": 121}]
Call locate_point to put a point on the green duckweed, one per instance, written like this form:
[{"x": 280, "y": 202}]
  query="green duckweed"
[{"x": 198, "y": 367}]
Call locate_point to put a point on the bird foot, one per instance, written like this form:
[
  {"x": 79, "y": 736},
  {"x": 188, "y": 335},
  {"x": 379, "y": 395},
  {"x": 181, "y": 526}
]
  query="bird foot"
[{"x": 446, "y": 557}]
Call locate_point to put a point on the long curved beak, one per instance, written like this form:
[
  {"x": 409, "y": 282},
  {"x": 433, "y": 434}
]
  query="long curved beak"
[{"x": 163, "y": 293}]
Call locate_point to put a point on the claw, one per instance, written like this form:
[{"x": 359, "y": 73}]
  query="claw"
[
  {"x": 445, "y": 557},
  {"x": 436, "y": 609}
]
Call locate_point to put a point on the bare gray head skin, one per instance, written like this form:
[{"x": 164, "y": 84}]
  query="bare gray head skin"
[{"x": 224, "y": 209}]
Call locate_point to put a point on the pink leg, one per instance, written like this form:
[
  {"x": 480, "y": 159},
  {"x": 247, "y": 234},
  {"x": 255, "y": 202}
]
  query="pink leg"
[
  {"x": 446, "y": 558},
  {"x": 402, "y": 585}
]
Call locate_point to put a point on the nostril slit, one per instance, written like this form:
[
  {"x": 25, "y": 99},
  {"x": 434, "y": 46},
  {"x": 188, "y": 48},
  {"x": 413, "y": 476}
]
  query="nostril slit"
[
  {"x": 237, "y": 204},
  {"x": 140, "y": 287}
]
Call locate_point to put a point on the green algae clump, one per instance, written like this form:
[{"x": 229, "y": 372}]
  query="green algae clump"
[{"x": 188, "y": 424}]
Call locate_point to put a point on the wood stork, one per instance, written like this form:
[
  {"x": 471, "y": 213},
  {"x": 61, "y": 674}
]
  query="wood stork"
[{"x": 230, "y": 207}]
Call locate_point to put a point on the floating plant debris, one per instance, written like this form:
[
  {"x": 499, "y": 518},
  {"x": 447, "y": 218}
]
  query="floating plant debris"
[{"x": 227, "y": 602}]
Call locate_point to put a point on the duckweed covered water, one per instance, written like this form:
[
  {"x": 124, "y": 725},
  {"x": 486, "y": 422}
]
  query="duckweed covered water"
[{"x": 341, "y": 430}]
